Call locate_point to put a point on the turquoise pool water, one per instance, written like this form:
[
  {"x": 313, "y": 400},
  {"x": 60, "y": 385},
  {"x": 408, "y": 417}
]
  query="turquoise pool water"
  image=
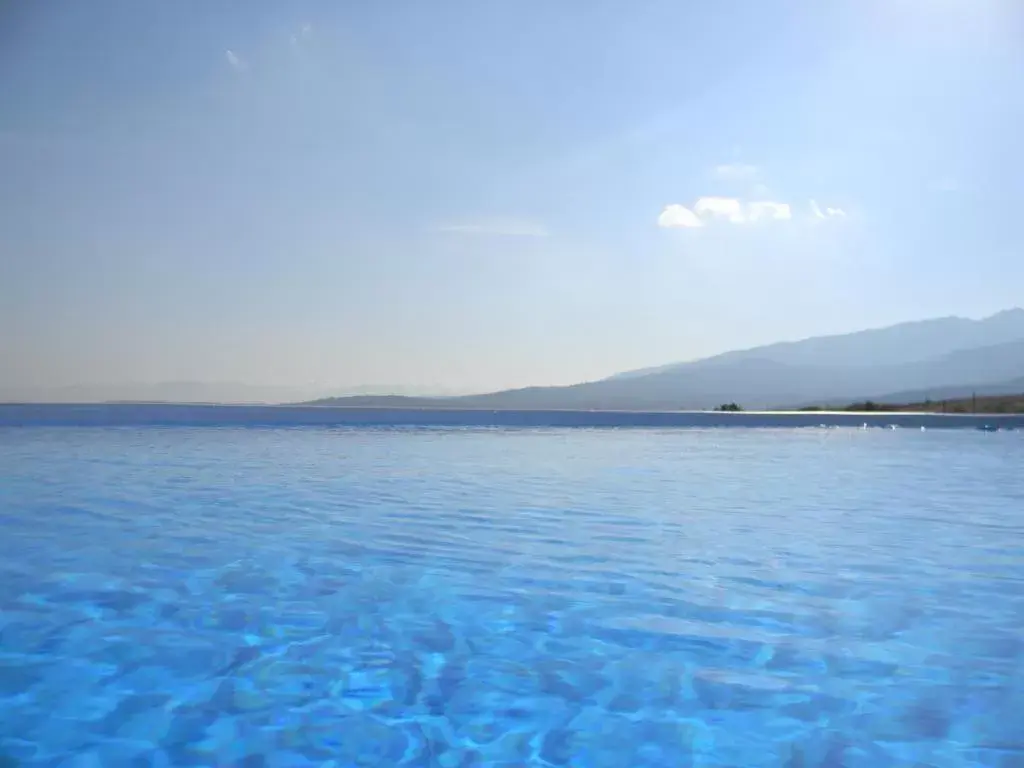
[{"x": 456, "y": 597}]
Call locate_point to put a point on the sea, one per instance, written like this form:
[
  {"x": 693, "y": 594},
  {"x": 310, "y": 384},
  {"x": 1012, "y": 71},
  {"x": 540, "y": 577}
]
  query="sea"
[{"x": 266, "y": 593}]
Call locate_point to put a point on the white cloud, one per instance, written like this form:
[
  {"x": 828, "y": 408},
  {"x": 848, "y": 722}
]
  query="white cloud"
[
  {"x": 735, "y": 211},
  {"x": 735, "y": 171},
  {"x": 235, "y": 61},
  {"x": 766, "y": 209},
  {"x": 502, "y": 227},
  {"x": 826, "y": 213},
  {"x": 947, "y": 184},
  {"x": 677, "y": 216},
  {"x": 727, "y": 207}
]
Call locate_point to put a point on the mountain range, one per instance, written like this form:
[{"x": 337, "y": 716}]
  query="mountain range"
[{"x": 929, "y": 359}]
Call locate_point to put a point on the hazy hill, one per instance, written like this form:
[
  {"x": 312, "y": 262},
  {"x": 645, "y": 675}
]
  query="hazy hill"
[
  {"x": 188, "y": 392},
  {"x": 171, "y": 391},
  {"x": 945, "y": 352},
  {"x": 955, "y": 392},
  {"x": 893, "y": 345}
]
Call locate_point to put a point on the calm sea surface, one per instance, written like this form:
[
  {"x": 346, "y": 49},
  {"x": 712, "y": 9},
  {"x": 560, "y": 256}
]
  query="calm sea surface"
[{"x": 456, "y": 597}]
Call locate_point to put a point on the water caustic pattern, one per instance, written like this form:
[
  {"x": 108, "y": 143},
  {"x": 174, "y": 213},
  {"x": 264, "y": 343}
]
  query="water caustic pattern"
[{"x": 486, "y": 597}]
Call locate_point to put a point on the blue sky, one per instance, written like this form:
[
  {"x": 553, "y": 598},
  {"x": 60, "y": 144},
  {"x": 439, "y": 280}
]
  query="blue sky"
[{"x": 473, "y": 195}]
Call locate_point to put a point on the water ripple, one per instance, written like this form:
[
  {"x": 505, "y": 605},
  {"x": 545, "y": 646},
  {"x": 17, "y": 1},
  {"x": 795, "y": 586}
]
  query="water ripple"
[{"x": 524, "y": 597}]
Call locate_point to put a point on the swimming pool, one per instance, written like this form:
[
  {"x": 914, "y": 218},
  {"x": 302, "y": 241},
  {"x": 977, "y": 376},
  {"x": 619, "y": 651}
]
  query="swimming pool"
[{"x": 174, "y": 596}]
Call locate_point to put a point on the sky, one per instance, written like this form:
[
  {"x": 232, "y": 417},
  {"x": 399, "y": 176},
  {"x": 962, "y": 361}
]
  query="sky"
[{"x": 463, "y": 196}]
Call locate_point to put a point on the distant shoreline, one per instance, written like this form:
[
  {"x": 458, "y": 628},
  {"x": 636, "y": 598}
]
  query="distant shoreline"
[
  {"x": 810, "y": 411},
  {"x": 240, "y": 415}
]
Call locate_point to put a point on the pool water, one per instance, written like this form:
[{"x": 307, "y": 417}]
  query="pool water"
[{"x": 454, "y": 597}]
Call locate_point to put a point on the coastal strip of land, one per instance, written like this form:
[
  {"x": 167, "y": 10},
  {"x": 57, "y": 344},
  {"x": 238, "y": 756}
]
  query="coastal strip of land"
[{"x": 118, "y": 415}]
